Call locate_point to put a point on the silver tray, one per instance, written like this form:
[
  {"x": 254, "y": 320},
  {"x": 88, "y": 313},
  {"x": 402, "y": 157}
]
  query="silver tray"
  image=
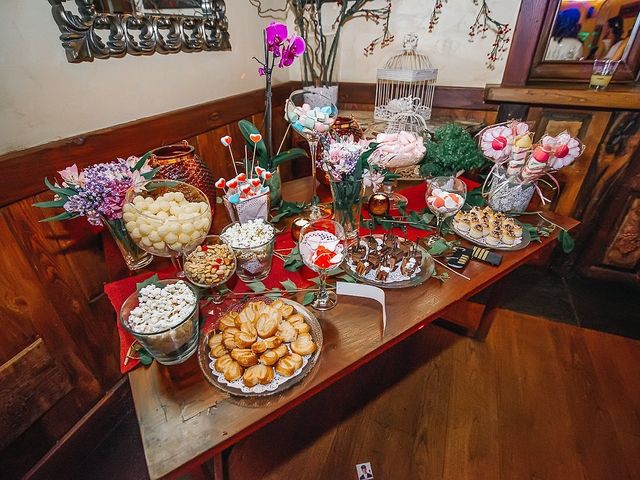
[
  {"x": 524, "y": 240},
  {"x": 427, "y": 269},
  {"x": 204, "y": 360}
]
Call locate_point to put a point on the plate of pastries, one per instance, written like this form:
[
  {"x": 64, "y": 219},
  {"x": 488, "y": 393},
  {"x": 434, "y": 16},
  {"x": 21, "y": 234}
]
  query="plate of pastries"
[
  {"x": 261, "y": 347},
  {"x": 490, "y": 229},
  {"x": 388, "y": 261}
]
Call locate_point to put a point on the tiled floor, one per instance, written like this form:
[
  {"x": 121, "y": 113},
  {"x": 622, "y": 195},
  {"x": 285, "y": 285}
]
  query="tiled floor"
[{"x": 535, "y": 291}]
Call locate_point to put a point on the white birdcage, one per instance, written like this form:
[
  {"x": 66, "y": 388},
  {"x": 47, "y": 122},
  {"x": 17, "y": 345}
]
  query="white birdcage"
[{"x": 406, "y": 83}]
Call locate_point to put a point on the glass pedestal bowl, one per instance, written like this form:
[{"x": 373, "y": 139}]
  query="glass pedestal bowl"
[{"x": 167, "y": 218}]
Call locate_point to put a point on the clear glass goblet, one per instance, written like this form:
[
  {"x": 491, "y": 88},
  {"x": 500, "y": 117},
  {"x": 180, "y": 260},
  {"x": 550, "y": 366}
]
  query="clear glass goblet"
[
  {"x": 311, "y": 115},
  {"x": 445, "y": 196},
  {"x": 322, "y": 247},
  {"x": 167, "y": 218}
]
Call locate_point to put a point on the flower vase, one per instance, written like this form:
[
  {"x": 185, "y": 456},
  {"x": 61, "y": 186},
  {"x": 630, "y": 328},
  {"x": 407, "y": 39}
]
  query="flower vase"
[
  {"x": 134, "y": 256},
  {"x": 347, "y": 205},
  {"x": 508, "y": 195}
]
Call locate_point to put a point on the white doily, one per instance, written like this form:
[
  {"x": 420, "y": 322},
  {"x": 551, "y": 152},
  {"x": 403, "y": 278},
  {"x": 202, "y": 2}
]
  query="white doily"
[{"x": 270, "y": 387}]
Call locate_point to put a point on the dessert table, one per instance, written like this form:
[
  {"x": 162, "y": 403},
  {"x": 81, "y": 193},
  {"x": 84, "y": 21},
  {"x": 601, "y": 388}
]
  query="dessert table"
[{"x": 184, "y": 421}]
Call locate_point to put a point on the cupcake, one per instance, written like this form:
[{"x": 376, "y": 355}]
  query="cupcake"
[
  {"x": 476, "y": 231},
  {"x": 486, "y": 228},
  {"x": 507, "y": 237},
  {"x": 493, "y": 238}
]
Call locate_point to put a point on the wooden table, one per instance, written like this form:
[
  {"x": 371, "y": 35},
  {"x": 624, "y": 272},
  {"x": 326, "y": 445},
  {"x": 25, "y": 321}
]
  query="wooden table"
[{"x": 184, "y": 421}]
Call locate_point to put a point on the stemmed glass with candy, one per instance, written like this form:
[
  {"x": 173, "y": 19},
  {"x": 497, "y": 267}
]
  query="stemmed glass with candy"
[
  {"x": 322, "y": 247},
  {"x": 167, "y": 218},
  {"x": 311, "y": 115},
  {"x": 445, "y": 197}
]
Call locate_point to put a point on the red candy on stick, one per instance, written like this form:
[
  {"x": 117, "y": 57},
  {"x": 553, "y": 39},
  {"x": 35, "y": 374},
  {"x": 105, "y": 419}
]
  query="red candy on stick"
[
  {"x": 499, "y": 143},
  {"x": 562, "y": 151},
  {"x": 221, "y": 183},
  {"x": 242, "y": 177}
]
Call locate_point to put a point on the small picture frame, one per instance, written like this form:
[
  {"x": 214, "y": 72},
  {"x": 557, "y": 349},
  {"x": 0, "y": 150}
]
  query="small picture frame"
[{"x": 364, "y": 471}]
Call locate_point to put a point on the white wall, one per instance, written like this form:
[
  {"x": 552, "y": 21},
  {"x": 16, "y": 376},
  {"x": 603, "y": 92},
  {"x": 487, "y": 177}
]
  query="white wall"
[
  {"x": 44, "y": 98},
  {"x": 460, "y": 63}
]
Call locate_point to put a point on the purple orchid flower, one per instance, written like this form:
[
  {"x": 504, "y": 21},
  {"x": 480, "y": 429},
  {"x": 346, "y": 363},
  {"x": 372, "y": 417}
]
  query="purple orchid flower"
[
  {"x": 276, "y": 34},
  {"x": 294, "y": 49}
]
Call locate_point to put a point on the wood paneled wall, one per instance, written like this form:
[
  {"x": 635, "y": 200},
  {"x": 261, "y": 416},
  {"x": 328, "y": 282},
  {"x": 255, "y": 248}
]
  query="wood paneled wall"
[
  {"x": 58, "y": 327},
  {"x": 57, "y": 323}
]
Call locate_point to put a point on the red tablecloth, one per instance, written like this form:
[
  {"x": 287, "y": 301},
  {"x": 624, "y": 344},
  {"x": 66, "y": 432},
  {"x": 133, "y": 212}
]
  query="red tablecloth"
[{"x": 120, "y": 290}]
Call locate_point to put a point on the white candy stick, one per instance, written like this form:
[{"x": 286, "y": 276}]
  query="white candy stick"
[{"x": 233, "y": 160}]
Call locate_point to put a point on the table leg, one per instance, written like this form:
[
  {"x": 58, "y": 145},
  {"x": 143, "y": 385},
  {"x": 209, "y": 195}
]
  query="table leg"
[
  {"x": 486, "y": 319},
  {"x": 218, "y": 467}
]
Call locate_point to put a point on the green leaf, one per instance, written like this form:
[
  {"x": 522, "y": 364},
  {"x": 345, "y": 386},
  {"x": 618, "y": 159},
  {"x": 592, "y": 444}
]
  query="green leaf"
[
  {"x": 151, "y": 173},
  {"x": 51, "y": 204},
  {"x": 274, "y": 293},
  {"x": 347, "y": 278},
  {"x": 567, "y": 242},
  {"x": 257, "y": 287},
  {"x": 61, "y": 216},
  {"x": 288, "y": 209},
  {"x": 151, "y": 186},
  {"x": 402, "y": 208},
  {"x": 315, "y": 280},
  {"x": 288, "y": 156},
  {"x": 145, "y": 357},
  {"x": 67, "y": 192},
  {"x": 294, "y": 267},
  {"x": 141, "y": 161},
  {"x": 247, "y": 129},
  {"x": 438, "y": 248},
  {"x": 308, "y": 298},
  {"x": 475, "y": 198},
  {"x": 152, "y": 280},
  {"x": 289, "y": 286},
  {"x": 533, "y": 231}
]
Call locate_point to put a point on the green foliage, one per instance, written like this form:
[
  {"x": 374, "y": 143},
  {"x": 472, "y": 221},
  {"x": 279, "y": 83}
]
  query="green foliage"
[
  {"x": 152, "y": 280},
  {"x": 475, "y": 198},
  {"x": 567, "y": 241},
  {"x": 262, "y": 156},
  {"x": 287, "y": 209},
  {"x": 451, "y": 150}
]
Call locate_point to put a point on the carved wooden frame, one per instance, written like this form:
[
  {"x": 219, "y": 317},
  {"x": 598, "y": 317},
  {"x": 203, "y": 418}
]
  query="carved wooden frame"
[{"x": 138, "y": 34}]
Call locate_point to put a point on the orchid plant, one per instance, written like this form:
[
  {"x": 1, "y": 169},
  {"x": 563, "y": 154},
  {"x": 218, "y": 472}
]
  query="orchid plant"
[
  {"x": 322, "y": 46},
  {"x": 281, "y": 47}
]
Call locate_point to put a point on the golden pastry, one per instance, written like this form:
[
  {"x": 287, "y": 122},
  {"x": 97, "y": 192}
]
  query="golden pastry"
[
  {"x": 287, "y": 310},
  {"x": 297, "y": 359},
  {"x": 258, "y": 307},
  {"x": 269, "y": 357},
  {"x": 282, "y": 350},
  {"x": 215, "y": 340},
  {"x": 259, "y": 347},
  {"x": 267, "y": 325},
  {"x": 228, "y": 337},
  {"x": 244, "y": 340},
  {"x": 218, "y": 351},
  {"x": 272, "y": 342},
  {"x": 233, "y": 371},
  {"x": 249, "y": 327},
  {"x": 244, "y": 356},
  {"x": 288, "y": 365},
  {"x": 223, "y": 362},
  {"x": 298, "y": 323},
  {"x": 258, "y": 374},
  {"x": 226, "y": 321},
  {"x": 247, "y": 315},
  {"x": 303, "y": 345},
  {"x": 287, "y": 332},
  {"x": 277, "y": 304}
]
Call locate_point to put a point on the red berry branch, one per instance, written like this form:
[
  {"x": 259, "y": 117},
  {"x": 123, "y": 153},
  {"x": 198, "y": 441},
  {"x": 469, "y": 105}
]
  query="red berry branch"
[{"x": 484, "y": 22}]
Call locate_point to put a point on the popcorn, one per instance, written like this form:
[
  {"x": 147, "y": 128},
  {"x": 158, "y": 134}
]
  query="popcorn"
[
  {"x": 248, "y": 235},
  {"x": 162, "y": 308}
]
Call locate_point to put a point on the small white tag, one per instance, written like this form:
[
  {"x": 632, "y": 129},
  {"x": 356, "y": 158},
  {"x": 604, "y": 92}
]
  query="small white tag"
[
  {"x": 364, "y": 471},
  {"x": 365, "y": 291}
]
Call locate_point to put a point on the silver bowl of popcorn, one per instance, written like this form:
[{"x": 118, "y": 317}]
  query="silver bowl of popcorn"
[{"x": 163, "y": 317}]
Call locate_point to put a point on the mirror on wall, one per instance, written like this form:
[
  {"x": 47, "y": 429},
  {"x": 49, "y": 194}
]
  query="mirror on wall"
[
  {"x": 102, "y": 29},
  {"x": 191, "y": 8},
  {"x": 586, "y": 30}
]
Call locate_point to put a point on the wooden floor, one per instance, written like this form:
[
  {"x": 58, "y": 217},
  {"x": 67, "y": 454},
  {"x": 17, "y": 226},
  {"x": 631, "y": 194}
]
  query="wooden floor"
[{"x": 538, "y": 400}]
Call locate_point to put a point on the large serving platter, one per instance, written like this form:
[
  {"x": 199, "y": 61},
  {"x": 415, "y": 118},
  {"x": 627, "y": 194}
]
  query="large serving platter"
[
  {"x": 522, "y": 242},
  {"x": 427, "y": 269},
  {"x": 279, "y": 383}
]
